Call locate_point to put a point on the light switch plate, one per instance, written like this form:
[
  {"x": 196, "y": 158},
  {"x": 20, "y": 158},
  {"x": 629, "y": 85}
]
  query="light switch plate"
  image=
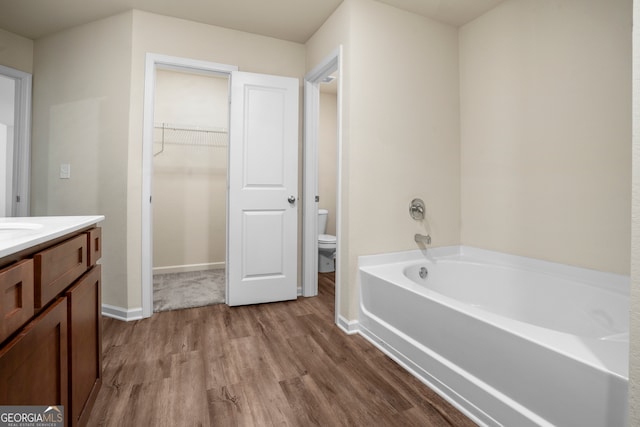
[{"x": 65, "y": 171}]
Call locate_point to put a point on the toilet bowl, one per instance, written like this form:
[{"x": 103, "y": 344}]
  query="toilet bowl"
[{"x": 326, "y": 244}]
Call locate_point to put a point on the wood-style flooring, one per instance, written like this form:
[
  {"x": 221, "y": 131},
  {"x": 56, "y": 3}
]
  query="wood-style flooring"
[{"x": 283, "y": 364}]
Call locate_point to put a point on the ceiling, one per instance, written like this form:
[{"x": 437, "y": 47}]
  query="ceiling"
[
  {"x": 294, "y": 20},
  {"x": 453, "y": 12}
]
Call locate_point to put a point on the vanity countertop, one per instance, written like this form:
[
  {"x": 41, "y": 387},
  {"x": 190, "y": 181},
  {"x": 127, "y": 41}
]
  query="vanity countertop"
[{"x": 19, "y": 233}]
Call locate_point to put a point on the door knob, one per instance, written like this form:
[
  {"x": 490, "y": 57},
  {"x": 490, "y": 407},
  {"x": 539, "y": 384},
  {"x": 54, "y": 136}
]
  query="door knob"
[{"x": 292, "y": 199}]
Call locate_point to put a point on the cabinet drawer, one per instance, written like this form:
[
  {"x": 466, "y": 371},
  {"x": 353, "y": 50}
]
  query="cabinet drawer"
[
  {"x": 16, "y": 297},
  {"x": 57, "y": 267},
  {"x": 94, "y": 248}
]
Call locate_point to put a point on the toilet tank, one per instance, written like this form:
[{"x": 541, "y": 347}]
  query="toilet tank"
[{"x": 323, "y": 214}]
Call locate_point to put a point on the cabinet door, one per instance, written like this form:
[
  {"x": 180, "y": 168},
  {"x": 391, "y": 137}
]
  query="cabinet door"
[
  {"x": 85, "y": 345},
  {"x": 33, "y": 365}
]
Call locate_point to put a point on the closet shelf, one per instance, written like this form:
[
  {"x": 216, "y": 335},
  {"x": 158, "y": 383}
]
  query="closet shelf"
[{"x": 170, "y": 134}]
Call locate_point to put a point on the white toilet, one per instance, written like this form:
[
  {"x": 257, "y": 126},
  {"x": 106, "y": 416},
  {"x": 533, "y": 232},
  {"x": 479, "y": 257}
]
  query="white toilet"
[{"x": 326, "y": 244}]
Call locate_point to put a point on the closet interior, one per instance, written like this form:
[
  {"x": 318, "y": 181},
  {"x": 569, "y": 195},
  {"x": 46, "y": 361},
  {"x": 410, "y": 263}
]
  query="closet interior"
[{"x": 191, "y": 115}]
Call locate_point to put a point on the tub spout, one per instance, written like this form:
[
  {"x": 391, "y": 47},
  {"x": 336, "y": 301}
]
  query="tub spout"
[{"x": 420, "y": 238}]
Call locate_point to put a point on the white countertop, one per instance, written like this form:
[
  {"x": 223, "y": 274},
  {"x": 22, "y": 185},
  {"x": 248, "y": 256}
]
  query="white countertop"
[{"x": 19, "y": 233}]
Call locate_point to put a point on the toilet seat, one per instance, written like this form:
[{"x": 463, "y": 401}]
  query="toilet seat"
[
  {"x": 326, "y": 238},
  {"x": 326, "y": 241}
]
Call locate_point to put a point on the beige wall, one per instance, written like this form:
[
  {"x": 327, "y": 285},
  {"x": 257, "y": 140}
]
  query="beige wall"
[
  {"x": 88, "y": 96},
  {"x": 177, "y": 37},
  {"x": 16, "y": 51},
  {"x": 81, "y": 117},
  {"x": 545, "y": 130},
  {"x": 189, "y": 177},
  {"x": 327, "y": 158},
  {"x": 400, "y": 131}
]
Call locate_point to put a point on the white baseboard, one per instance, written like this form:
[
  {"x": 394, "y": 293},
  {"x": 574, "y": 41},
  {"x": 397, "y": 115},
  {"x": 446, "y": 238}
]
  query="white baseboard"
[
  {"x": 348, "y": 326},
  {"x": 188, "y": 267},
  {"x": 120, "y": 313}
]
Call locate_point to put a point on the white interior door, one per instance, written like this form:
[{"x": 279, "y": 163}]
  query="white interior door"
[{"x": 263, "y": 189}]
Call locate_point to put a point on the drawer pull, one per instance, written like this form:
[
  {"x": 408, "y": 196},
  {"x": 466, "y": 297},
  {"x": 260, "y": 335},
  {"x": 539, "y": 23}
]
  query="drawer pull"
[{"x": 12, "y": 299}]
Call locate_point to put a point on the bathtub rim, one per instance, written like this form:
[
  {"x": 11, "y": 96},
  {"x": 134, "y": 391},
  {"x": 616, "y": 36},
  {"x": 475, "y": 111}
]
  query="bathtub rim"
[{"x": 615, "y": 282}]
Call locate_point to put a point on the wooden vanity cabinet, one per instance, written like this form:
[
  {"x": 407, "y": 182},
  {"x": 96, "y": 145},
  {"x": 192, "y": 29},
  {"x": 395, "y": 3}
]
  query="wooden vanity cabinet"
[{"x": 51, "y": 325}]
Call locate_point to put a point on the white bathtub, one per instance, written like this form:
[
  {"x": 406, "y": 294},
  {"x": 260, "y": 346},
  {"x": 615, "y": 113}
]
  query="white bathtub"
[{"x": 508, "y": 340}]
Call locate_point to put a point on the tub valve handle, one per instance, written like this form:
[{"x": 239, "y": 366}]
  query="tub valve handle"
[{"x": 416, "y": 209}]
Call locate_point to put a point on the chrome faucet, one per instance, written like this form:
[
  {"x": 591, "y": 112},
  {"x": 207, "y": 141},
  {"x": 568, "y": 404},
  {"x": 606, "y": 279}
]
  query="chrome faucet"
[{"x": 421, "y": 238}]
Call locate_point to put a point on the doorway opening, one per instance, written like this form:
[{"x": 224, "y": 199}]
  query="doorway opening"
[
  {"x": 190, "y": 157},
  {"x": 15, "y": 141},
  {"x": 322, "y": 173},
  {"x": 262, "y": 177},
  {"x": 156, "y": 63}
]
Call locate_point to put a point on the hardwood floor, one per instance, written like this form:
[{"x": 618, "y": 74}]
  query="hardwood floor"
[{"x": 271, "y": 364}]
